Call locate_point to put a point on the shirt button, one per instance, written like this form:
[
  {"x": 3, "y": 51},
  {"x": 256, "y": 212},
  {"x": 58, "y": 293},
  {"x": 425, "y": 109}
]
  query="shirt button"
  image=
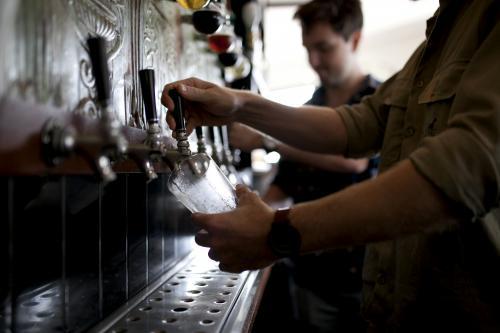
[
  {"x": 420, "y": 83},
  {"x": 409, "y": 132},
  {"x": 381, "y": 279}
]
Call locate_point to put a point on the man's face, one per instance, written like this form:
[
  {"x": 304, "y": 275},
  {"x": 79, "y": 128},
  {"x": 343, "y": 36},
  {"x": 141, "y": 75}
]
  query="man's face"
[{"x": 330, "y": 55}]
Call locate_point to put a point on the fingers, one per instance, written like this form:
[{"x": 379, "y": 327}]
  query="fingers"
[
  {"x": 191, "y": 89},
  {"x": 242, "y": 189},
  {"x": 230, "y": 268},
  {"x": 245, "y": 196},
  {"x": 213, "y": 255},
  {"x": 171, "y": 121},
  {"x": 202, "y": 238},
  {"x": 165, "y": 98},
  {"x": 202, "y": 221}
]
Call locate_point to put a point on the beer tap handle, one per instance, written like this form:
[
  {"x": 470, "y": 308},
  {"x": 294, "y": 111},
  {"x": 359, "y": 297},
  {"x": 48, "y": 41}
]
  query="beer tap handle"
[
  {"x": 224, "y": 136},
  {"x": 147, "y": 78},
  {"x": 199, "y": 133},
  {"x": 100, "y": 70},
  {"x": 201, "y": 140},
  {"x": 180, "y": 123},
  {"x": 211, "y": 135},
  {"x": 178, "y": 112}
]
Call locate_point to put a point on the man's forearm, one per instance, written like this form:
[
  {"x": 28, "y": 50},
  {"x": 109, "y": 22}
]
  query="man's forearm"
[
  {"x": 328, "y": 162},
  {"x": 310, "y": 128},
  {"x": 398, "y": 202}
]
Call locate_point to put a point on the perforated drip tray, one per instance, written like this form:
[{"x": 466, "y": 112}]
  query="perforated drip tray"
[{"x": 197, "y": 298}]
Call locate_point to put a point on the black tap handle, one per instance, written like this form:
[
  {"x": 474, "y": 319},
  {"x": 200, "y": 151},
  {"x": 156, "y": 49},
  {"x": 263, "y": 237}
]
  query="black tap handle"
[
  {"x": 178, "y": 112},
  {"x": 147, "y": 78},
  {"x": 211, "y": 134},
  {"x": 100, "y": 70},
  {"x": 199, "y": 133},
  {"x": 224, "y": 134},
  {"x": 221, "y": 136}
]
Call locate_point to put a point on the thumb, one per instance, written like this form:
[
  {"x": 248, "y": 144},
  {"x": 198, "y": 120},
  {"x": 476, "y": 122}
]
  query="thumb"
[
  {"x": 245, "y": 195},
  {"x": 202, "y": 221},
  {"x": 242, "y": 190}
]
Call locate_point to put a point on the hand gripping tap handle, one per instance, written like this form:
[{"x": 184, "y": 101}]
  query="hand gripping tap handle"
[
  {"x": 99, "y": 60},
  {"x": 147, "y": 78}
]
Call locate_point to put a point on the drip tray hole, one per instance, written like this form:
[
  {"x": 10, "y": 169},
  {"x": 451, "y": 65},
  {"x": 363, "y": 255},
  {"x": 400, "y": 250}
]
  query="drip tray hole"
[
  {"x": 180, "y": 309},
  {"x": 156, "y": 299},
  {"x": 207, "y": 322},
  {"x": 169, "y": 320}
]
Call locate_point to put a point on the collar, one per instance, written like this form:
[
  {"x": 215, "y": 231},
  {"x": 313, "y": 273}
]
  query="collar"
[{"x": 368, "y": 87}]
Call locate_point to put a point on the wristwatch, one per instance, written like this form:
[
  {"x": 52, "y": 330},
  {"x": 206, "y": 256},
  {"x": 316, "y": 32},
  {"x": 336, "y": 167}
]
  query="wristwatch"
[{"x": 283, "y": 239}]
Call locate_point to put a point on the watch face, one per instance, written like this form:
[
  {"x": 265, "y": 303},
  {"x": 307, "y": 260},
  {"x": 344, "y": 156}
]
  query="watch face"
[{"x": 284, "y": 240}]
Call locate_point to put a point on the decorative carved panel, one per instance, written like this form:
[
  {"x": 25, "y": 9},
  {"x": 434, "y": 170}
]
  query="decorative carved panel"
[{"x": 46, "y": 58}]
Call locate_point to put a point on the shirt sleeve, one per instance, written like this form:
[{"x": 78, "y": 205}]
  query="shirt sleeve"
[
  {"x": 366, "y": 122},
  {"x": 464, "y": 159}
]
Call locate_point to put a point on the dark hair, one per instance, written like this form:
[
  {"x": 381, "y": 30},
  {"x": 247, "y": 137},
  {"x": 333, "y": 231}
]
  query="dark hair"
[{"x": 344, "y": 16}]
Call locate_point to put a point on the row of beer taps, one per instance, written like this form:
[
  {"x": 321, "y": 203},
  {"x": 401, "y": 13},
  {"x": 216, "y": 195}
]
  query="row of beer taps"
[{"x": 109, "y": 145}]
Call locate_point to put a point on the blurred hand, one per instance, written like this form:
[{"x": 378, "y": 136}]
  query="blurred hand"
[
  {"x": 205, "y": 103},
  {"x": 238, "y": 239},
  {"x": 244, "y": 137}
]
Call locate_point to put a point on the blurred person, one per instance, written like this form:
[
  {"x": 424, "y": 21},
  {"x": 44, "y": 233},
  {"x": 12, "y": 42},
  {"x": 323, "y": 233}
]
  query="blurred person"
[{"x": 430, "y": 218}]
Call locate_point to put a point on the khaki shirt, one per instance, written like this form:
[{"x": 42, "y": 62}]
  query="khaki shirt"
[{"x": 441, "y": 111}]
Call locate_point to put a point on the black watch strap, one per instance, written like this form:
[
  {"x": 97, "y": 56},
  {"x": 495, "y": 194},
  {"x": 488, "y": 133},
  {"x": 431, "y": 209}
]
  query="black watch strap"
[
  {"x": 281, "y": 216},
  {"x": 284, "y": 240}
]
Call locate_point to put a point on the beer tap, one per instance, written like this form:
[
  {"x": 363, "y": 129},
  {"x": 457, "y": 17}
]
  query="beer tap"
[
  {"x": 153, "y": 147},
  {"x": 180, "y": 128},
  {"x": 147, "y": 78},
  {"x": 115, "y": 143},
  {"x": 182, "y": 140},
  {"x": 60, "y": 141},
  {"x": 202, "y": 148},
  {"x": 214, "y": 137},
  {"x": 227, "y": 157}
]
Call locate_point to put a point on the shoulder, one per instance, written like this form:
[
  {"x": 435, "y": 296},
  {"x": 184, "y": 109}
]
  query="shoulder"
[
  {"x": 318, "y": 97},
  {"x": 372, "y": 82},
  {"x": 370, "y": 85}
]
